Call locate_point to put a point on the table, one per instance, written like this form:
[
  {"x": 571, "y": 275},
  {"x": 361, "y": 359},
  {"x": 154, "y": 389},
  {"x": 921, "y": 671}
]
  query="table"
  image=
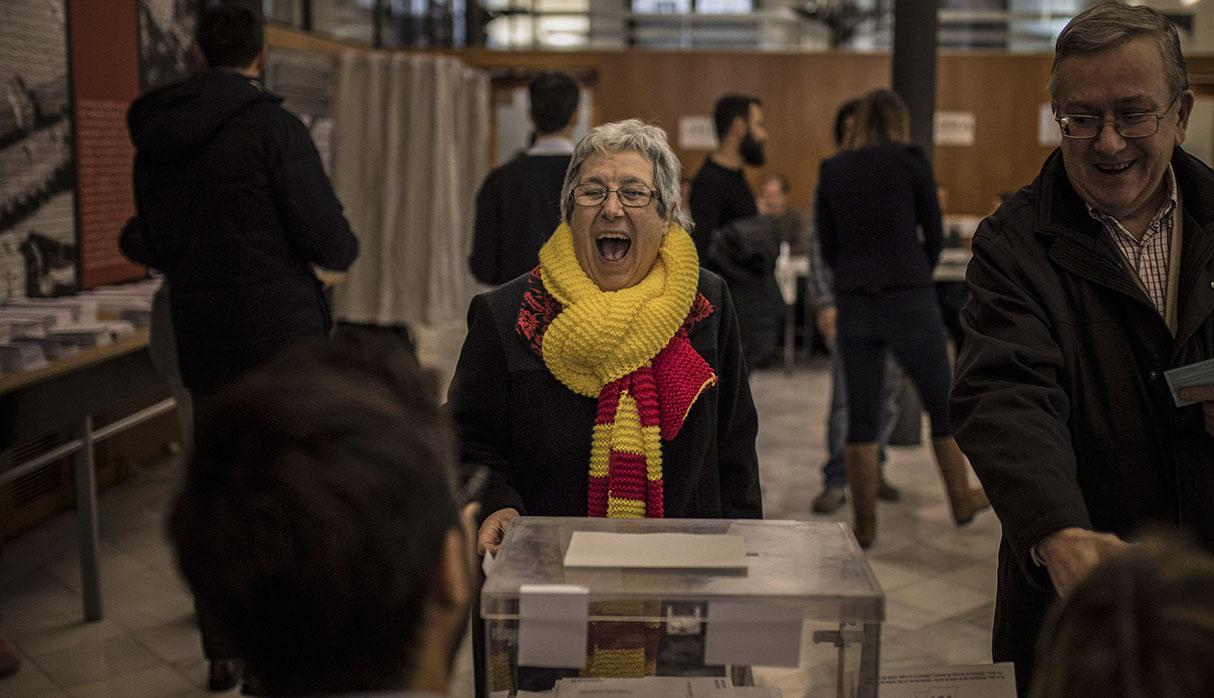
[{"x": 65, "y": 395}]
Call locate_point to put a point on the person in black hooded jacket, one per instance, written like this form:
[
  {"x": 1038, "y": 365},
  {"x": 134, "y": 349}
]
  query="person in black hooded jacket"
[{"x": 234, "y": 206}]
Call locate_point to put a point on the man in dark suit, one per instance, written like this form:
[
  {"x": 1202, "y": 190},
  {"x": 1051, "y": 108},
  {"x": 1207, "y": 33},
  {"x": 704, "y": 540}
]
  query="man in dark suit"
[{"x": 519, "y": 204}]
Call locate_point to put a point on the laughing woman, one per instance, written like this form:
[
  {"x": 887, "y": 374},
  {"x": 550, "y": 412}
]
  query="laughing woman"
[{"x": 609, "y": 381}]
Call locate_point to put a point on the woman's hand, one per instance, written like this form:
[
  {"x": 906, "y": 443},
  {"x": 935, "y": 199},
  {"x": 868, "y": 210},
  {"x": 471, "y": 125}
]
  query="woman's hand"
[{"x": 493, "y": 528}]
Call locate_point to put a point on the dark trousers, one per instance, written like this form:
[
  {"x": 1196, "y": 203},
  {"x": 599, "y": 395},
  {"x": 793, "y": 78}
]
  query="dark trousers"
[
  {"x": 213, "y": 646},
  {"x": 906, "y": 322}
]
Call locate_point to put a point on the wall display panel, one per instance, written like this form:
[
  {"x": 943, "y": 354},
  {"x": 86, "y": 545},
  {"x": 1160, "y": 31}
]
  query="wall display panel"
[
  {"x": 166, "y": 41},
  {"x": 38, "y": 254},
  {"x": 105, "y": 77},
  {"x": 666, "y": 87}
]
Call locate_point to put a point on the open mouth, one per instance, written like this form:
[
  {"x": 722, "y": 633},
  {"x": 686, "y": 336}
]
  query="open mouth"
[
  {"x": 613, "y": 246},
  {"x": 1114, "y": 169}
]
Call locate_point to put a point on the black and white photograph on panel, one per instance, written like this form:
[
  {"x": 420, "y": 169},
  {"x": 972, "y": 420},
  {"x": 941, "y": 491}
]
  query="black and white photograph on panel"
[
  {"x": 304, "y": 80},
  {"x": 38, "y": 250},
  {"x": 166, "y": 41}
]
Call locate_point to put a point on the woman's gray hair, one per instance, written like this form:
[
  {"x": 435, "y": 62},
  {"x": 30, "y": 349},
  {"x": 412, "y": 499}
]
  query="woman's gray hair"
[
  {"x": 630, "y": 135},
  {"x": 1111, "y": 24}
]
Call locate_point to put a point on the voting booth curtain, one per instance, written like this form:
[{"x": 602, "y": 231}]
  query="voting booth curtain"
[{"x": 410, "y": 147}]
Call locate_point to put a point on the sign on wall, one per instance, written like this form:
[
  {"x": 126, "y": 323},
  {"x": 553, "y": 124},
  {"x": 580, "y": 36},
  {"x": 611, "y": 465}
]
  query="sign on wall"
[
  {"x": 955, "y": 128},
  {"x": 697, "y": 133}
]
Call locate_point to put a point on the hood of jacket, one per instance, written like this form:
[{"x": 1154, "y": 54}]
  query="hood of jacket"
[{"x": 176, "y": 119}]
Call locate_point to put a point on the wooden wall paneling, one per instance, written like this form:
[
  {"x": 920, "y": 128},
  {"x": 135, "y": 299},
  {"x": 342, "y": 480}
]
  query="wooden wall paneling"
[
  {"x": 800, "y": 92},
  {"x": 1004, "y": 93}
]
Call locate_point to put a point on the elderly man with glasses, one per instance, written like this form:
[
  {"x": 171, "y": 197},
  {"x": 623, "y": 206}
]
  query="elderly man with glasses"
[{"x": 1088, "y": 285}]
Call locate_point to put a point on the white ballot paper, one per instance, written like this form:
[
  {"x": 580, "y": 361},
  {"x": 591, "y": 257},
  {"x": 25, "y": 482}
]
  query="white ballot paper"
[
  {"x": 656, "y": 551},
  {"x": 1200, "y": 373},
  {"x": 978, "y": 681},
  {"x": 647, "y": 687},
  {"x": 552, "y": 621}
]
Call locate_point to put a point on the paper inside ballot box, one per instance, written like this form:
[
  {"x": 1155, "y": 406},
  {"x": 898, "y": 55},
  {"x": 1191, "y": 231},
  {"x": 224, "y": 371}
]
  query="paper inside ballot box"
[{"x": 975, "y": 681}]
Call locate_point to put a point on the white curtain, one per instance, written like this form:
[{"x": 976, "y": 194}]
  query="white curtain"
[{"x": 410, "y": 143}]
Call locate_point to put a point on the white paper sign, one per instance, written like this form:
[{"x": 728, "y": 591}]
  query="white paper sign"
[
  {"x": 980, "y": 681},
  {"x": 955, "y": 127},
  {"x": 697, "y": 133},
  {"x": 1048, "y": 135},
  {"x": 552, "y": 621},
  {"x": 656, "y": 551},
  {"x": 753, "y": 634}
]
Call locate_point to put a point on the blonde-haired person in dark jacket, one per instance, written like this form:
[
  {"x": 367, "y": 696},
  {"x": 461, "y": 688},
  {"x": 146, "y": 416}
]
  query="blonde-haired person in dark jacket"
[{"x": 873, "y": 198}]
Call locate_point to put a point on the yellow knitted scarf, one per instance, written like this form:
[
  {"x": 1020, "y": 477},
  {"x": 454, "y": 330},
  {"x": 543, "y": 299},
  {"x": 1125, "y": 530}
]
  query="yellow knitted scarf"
[
  {"x": 603, "y": 345},
  {"x": 604, "y": 335}
]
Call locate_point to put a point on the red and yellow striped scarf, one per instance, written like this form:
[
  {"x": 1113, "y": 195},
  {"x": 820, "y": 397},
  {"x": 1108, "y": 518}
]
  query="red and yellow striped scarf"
[{"x": 630, "y": 350}]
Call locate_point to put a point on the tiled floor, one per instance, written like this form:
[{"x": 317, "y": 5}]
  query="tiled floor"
[{"x": 939, "y": 580}]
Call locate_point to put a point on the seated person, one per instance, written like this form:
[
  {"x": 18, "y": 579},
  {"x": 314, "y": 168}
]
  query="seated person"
[
  {"x": 610, "y": 381},
  {"x": 319, "y": 527},
  {"x": 1141, "y": 624}
]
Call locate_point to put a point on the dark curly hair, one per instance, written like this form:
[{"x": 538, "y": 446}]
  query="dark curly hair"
[{"x": 312, "y": 520}]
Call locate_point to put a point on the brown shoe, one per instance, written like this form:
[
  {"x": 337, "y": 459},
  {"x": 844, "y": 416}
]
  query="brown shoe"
[
  {"x": 861, "y": 463},
  {"x": 966, "y": 501},
  {"x": 223, "y": 674},
  {"x": 10, "y": 658},
  {"x": 974, "y": 502}
]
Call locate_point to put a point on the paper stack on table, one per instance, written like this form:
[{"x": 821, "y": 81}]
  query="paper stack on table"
[
  {"x": 23, "y": 327},
  {"x": 53, "y": 349},
  {"x": 16, "y": 357},
  {"x": 45, "y": 317},
  {"x": 94, "y": 335},
  {"x": 83, "y": 309}
]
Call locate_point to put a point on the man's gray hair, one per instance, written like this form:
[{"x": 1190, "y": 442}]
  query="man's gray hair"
[
  {"x": 1111, "y": 24},
  {"x": 630, "y": 135}
]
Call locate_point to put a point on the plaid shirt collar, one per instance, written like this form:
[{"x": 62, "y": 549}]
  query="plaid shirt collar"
[{"x": 1113, "y": 225}]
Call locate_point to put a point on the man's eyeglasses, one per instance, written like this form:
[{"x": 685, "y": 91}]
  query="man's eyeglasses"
[
  {"x": 1130, "y": 124},
  {"x": 632, "y": 196}
]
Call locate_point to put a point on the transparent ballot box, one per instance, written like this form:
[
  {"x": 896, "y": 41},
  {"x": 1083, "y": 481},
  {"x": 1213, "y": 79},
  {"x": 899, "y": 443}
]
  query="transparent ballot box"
[{"x": 652, "y": 607}]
